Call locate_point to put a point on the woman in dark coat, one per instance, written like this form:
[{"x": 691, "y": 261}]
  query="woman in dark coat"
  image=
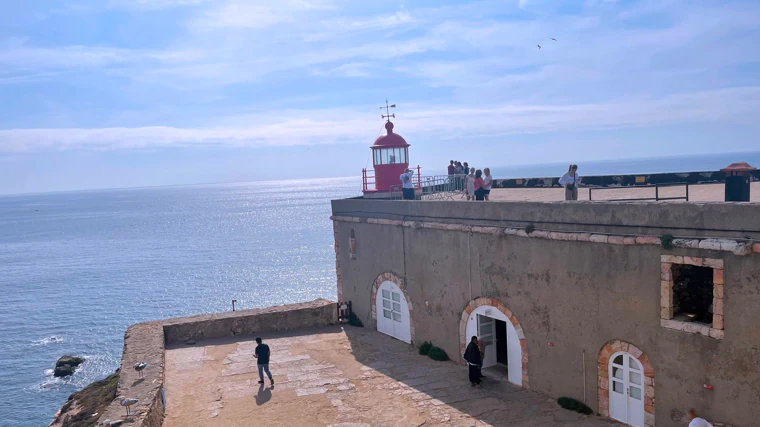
[{"x": 473, "y": 358}]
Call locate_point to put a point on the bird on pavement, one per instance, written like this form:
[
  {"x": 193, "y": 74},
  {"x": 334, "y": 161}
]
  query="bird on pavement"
[
  {"x": 127, "y": 402},
  {"x": 139, "y": 366}
]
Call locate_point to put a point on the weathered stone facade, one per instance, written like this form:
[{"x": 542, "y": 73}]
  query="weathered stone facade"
[{"x": 584, "y": 279}]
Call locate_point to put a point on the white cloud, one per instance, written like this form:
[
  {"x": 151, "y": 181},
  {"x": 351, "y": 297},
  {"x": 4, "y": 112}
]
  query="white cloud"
[
  {"x": 238, "y": 14},
  {"x": 602, "y": 72},
  {"x": 287, "y": 128}
]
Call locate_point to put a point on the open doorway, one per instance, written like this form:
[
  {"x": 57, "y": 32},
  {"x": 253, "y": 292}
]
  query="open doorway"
[
  {"x": 501, "y": 343},
  {"x": 502, "y": 340}
]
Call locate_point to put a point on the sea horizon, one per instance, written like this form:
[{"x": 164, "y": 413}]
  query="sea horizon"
[{"x": 706, "y": 162}]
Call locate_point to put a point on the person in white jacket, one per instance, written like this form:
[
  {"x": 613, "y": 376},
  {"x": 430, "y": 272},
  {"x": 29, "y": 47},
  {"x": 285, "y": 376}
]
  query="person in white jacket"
[
  {"x": 570, "y": 180},
  {"x": 696, "y": 421}
]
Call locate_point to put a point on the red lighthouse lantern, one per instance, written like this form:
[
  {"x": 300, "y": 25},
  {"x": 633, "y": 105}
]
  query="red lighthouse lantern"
[{"x": 390, "y": 158}]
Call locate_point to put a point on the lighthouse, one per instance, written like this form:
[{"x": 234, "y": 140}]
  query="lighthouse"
[{"x": 390, "y": 158}]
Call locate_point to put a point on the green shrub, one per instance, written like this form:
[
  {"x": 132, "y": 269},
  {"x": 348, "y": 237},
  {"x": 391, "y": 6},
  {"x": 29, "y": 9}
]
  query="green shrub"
[
  {"x": 530, "y": 228},
  {"x": 353, "y": 320},
  {"x": 667, "y": 241},
  {"x": 425, "y": 348},
  {"x": 437, "y": 353},
  {"x": 574, "y": 405}
]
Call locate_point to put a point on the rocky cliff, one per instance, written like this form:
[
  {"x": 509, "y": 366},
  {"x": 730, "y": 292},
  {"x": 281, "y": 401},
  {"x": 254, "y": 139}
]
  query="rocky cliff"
[{"x": 83, "y": 407}]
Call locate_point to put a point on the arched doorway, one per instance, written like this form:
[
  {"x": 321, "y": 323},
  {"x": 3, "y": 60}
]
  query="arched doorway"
[
  {"x": 626, "y": 384},
  {"x": 502, "y": 334},
  {"x": 391, "y": 308}
]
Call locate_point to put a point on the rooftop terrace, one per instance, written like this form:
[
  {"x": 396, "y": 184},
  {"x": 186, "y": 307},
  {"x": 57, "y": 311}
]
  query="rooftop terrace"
[
  {"x": 336, "y": 376},
  {"x": 697, "y": 193}
]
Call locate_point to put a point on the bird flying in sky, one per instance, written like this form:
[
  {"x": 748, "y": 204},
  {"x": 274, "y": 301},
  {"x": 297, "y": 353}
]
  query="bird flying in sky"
[
  {"x": 539, "y": 46},
  {"x": 554, "y": 39}
]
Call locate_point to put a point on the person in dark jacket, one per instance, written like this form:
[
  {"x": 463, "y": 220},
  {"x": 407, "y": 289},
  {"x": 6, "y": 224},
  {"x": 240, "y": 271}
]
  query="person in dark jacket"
[{"x": 473, "y": 357}]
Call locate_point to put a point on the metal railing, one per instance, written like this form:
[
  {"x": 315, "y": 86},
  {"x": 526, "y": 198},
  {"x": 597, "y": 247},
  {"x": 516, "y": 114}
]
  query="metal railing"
[
  {"x": 369, "y": 183},
  {"x": 656, "y": 191},
  {"x": 437, "y": 187}
]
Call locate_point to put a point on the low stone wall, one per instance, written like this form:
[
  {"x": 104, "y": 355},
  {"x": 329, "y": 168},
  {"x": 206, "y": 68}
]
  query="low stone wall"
[
  {"x": 145, "y": 342},
  {"x": 249, "y": 322}
]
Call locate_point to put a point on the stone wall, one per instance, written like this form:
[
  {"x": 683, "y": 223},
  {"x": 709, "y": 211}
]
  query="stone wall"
[
  {"x": 681, "y": 219},
  {"x": 588, "y": 275},
  {"x": 145, "y": 342},
  {"x": 249, "y": 322}
]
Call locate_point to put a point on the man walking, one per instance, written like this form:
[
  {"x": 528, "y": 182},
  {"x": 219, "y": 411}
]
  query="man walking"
[{"x": 262, "y": 361}]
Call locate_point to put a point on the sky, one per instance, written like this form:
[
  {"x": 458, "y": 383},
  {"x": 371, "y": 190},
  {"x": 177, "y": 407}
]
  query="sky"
[{"x": 119, "y": 93}]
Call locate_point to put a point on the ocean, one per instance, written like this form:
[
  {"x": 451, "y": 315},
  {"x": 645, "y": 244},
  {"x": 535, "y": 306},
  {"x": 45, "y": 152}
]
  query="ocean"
[{"x": 77, "y": 268}]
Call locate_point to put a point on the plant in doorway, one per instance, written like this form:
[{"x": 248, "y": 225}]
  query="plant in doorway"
[
  {"x": 574, "y": 405},
  {"x": 425, "y": 348},
  {"x": 437, "y": 353},
  {"x": 354, "y": 320}
]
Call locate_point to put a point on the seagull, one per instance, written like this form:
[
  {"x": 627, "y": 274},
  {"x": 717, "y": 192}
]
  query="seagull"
[
  {"x": 554, "y": 39},
  {"x": 127, "y": 402},
  {"x": 539, "y": 46},
  {"x": 139, "y": 366}
]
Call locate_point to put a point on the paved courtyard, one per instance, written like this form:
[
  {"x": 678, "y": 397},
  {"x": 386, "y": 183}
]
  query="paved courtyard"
[{"x": 345, "y": 378}]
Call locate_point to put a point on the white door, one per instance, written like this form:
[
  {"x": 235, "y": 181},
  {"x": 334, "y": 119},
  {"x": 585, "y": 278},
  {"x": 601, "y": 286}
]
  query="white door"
[
  {"x": 393, "y": 312},
  {"x": 626, "y": 389},
  {"x": 514, "y": 349},
  {"x": 487, "y": 333}
]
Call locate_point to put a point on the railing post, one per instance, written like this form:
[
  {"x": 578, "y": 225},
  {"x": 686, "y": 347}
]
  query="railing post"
[
  {"x": 687, "y": 191},
  {"x": 589, "y": 193},
  {"x": 657, "y": 192},
  {"x": 419, "y": 176},
  {"x": 364, "y": 179}
]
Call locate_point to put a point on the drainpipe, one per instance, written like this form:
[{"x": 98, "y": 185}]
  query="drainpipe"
[
  {"x": 584, "y": 375},
  {"x": 469, "y": 262}
]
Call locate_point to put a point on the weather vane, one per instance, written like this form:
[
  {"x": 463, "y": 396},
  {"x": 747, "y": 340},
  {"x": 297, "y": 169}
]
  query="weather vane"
[{"x": 387, "y": 114}]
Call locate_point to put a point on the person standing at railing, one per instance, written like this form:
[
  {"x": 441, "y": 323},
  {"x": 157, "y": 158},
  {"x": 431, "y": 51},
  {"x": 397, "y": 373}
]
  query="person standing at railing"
[
  {"x": 407, "y": 185},
  {"x": 459, "y": 178},
  {"x": 487, "y": 182},
  {"x": 570, "y": 180},
  {"x": 469, "y": 182},
  {"x": 452, "y": 168},
  {"x": 480, "y": 191}
]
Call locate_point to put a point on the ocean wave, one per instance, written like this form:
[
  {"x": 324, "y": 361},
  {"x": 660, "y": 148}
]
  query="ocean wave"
[
  {"x": 53, "y": 339},
  {"x": 49, "y": 383}
]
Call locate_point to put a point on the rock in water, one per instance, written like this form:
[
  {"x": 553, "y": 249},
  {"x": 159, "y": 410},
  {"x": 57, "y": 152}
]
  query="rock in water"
[
  {"x": 63, "y": 371},
  {"x": 66, "y": 365}
]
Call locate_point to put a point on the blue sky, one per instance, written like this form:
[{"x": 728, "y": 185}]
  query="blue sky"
[{"x": 113, "y": 93}]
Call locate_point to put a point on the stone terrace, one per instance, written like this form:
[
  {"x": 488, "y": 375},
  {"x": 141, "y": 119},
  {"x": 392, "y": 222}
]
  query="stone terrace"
[
  {"x": 342, "y": 376},
  {"x": 697, "y": 193}
]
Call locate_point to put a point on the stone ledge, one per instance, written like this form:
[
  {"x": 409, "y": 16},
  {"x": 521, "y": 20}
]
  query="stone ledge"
[
  {"x": 145, "y": 342},
  {"x": 316, "y": 313},
  {"x": 736, "y": 247},
  {"x": 692, "y": 328}
]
